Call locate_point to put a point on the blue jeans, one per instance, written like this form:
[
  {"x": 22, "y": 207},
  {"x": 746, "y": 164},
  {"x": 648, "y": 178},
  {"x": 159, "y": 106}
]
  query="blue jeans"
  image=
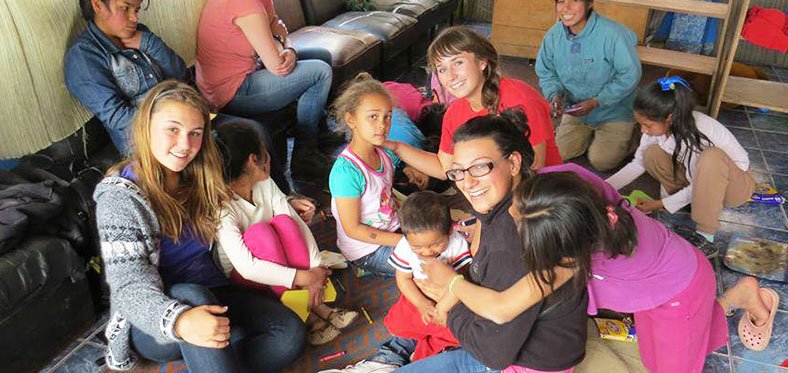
[
  {"x": 395, "y": 351},
  {"x": 262, "y": 91},
  {"x": 459, "y": 361},
  {"x": 277, "y": 166},
  {"x": 377, "y": 262},
  {"x": 265, "y": 336}
]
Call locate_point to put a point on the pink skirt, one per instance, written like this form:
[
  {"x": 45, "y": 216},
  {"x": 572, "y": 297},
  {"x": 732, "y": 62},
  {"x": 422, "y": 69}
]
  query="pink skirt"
[{"x": 677, "y": 336}]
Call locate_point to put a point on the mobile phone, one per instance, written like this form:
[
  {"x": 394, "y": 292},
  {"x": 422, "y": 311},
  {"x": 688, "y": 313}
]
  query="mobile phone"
[{"x": 467, "y": 222}]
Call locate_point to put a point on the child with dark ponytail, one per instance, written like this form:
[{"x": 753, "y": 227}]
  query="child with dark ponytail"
[{"x": 694, "y": 157}]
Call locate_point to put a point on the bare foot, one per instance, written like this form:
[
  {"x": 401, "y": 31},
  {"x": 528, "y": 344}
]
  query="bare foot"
[{"x": 746, "y": 294}]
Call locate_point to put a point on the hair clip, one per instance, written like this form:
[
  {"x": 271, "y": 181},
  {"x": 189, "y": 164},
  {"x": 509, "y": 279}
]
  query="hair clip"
[
  {"x": 611, "y": 215},
  {"x": 669, "y": 83}
]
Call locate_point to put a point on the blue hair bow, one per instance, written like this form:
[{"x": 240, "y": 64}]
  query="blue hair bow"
[{"x": 669, "y": 84}]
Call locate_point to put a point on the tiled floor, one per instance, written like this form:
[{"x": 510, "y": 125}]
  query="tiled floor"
[{"x": 765, "y": 135}]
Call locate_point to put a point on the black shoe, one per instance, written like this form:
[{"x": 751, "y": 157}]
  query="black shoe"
[
  {"x": 696, "y": 239},
  {"x": 309, "y": 163}
]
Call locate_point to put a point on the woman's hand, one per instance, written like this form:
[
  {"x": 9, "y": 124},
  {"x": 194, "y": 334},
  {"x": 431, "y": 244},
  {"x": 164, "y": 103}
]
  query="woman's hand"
[
  {"x": 279, "y": 28},
  {"x": 202, "y": 326},
  {"x": 133, "y": 42},
  {"x": 440, "y": 315},
  {"x": 438, "y": 273},
  {"x": 288, "y": 62},
  {"x": 304, "y": 207},
  {"x": 584, "y": 107},
  {"x": 649, "y": 206},
  {"x": 430, "y": 290}
]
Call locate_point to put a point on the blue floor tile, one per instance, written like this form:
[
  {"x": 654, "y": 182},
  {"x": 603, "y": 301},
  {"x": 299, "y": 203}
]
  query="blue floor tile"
[
  {"x": 772, "y": 141},
  {"x": 745, "y": 136},
  {"x": 769, "y": 121},
  {"x": 761, "y": 177},
  {"x": 745, "y": 366},
  {"x": 776, "y": 162},
  {"x": 756, "y": 159},
  {"x": 756, "y": 214},
  {"x": 731, "y": 118},
  {"x": 781, "y": 183},
  {"x": 716, "y": 363}
]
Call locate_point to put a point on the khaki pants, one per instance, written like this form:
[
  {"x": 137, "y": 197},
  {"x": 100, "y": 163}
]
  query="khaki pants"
[
  {"x": 717, "y": 182},
  {"x": 607, "y": 145}
]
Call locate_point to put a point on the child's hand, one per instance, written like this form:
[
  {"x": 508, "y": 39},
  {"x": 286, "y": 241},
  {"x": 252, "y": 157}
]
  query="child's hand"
[
  {"x": 204, "y": 326},
  {"x": 391, "y": 145},
  {"x": 557, "y": 106},
  {"x": 414, "y": 176},
  {"x": 426, "y": 314},
  {"x": 304, "y": 207},
  {"x": 649, "y": 206},
  {"x": 439, "y": 316},
  {"x": 585, "y": 107}
]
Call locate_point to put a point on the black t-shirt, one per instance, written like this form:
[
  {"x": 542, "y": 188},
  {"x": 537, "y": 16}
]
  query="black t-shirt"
[{"x": 548, "y": 336}]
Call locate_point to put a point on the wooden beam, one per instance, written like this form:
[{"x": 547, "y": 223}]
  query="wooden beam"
[
  {"x": 678, "y": 60},
  {"x": 757, "y": 93},
  {"x": 701, "y": 8}
]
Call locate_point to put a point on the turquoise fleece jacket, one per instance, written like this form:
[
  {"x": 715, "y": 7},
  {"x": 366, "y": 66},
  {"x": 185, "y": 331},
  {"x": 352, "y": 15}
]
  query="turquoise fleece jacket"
[{"x": 600, "y": 62}]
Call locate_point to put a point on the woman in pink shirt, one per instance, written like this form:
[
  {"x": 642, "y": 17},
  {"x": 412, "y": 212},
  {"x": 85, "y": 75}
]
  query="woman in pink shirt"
[
  {"x": 573, "y": 224},
  {"x": 247, "y": 67}
]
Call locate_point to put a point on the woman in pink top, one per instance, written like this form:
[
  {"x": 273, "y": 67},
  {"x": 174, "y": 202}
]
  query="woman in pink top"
[{"x": 247, "y": 67}]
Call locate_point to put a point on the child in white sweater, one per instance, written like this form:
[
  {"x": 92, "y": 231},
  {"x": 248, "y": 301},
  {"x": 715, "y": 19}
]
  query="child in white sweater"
[{"x": 263, "y": 239}]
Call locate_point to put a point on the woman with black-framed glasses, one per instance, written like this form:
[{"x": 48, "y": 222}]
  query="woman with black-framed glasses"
[{"x": 491, "y": 158}]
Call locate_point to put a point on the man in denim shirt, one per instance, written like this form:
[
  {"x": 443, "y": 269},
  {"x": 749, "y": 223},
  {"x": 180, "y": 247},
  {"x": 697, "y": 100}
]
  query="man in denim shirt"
[{"x": 115, "y": 61}]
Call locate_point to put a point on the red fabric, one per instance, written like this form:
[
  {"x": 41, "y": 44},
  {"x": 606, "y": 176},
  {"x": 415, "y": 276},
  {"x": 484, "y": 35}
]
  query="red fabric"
[
  {"x": 766, "y": 28},
  {"x": 514, "y": 93},
  {"x": 404, "y": 320},
  {"x": 408, "y": 98}
]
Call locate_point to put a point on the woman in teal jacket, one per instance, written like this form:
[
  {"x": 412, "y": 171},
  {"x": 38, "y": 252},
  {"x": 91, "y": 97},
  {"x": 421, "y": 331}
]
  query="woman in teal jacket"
[{"x": 588, "y": 68}]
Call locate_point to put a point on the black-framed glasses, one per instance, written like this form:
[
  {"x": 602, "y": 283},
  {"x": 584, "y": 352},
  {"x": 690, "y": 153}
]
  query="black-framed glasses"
[{"x": 477, "y": 170}]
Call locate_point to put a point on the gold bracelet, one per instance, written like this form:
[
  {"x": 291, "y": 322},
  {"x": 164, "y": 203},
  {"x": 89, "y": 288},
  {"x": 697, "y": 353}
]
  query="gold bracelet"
[{"x": 451, "y": 283}]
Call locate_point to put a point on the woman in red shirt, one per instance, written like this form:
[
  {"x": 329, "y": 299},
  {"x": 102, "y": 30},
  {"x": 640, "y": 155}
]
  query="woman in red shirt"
[{"x": 466, "y": 64}]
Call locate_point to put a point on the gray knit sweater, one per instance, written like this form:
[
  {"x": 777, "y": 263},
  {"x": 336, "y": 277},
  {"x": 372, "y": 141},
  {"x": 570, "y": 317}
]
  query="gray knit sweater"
[{"x": 130, "y": 234}]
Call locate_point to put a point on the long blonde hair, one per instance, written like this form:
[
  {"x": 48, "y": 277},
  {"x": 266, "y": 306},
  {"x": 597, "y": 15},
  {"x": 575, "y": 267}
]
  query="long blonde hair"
[{"x": 201, "y": 191}]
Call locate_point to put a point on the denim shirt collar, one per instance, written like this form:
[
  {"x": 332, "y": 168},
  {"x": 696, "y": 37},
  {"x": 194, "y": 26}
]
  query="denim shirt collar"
[{"x": 102, "y": 39}]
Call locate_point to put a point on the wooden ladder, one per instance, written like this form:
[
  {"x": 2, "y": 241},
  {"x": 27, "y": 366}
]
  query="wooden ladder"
[
  {"x": 746, "y": 91},
  {"x": 708, "y": 65}
]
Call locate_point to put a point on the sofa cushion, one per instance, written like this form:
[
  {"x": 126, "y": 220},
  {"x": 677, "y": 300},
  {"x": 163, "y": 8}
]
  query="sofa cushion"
[
  {"x": 413, "y": 8},
  {"x": 344, "y": 45},
  {"x": 384, "y": 25},
  {"x": 37, "y": 265}
]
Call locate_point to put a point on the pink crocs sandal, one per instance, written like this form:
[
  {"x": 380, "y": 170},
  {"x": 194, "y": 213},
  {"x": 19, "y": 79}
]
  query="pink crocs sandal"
[{"x": 756, "y": 338}]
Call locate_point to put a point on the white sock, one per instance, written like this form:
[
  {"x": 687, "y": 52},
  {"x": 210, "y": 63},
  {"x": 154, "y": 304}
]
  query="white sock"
[{"x": 708, "y": 236}]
